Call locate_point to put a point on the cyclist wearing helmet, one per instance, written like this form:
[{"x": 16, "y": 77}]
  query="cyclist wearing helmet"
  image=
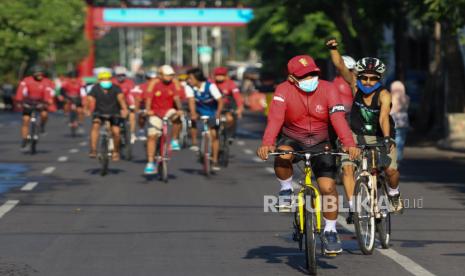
[
  {"x": 301, "y": 111},
  {"x": 105, "y": 98},
  {"x": 121, "y": 79},
  {"x": 140, "y": 93},
  {"x": 31, "y": 90},
  {"x": 71, "y": 90},
  {"x": 233, "y": 102},
  {"x": 162, "y": 101},
  {"x": 370, "y": 121}
]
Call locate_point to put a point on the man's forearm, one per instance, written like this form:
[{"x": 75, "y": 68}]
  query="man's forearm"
[{"x": 385, "y": 126}]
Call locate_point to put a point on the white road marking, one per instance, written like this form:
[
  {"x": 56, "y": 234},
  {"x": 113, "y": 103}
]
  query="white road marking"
[
  {"x": 29, "y": 186},
  {"x": 83, "y": 144},
  {"x": 48, "y": 170},
  {"x": 248, "y": 151},
  {"x": 7, "y": 206},
  {"x": 73, "y": 150},
  {"x": 270, "y": 170},
  {"x": 256, "y": 159},
  {"x": 240, "y": 143},
  {"x": 407, "y": 263},
  {"x": 63, "y": 159}
]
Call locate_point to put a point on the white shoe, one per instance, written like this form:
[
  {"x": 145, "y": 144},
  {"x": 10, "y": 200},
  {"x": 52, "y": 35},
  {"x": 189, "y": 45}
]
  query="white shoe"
[
  {"x": 194, "y": 148},
  {"x": 133, "y": 138}
]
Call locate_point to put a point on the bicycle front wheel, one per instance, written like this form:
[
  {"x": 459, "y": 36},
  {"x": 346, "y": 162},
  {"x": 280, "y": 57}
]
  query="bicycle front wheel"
[
  {"x": 310, "y": 243},
  {"x": 104, "y": 156},
  {"x": 206, "y": 155},
  {"x": 383, "y": 224},
  {"x": 364, "y": 221}
]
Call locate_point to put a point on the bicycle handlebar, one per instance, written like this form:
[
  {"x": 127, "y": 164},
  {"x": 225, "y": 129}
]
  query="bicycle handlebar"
[{"x": 306, "y": 153}]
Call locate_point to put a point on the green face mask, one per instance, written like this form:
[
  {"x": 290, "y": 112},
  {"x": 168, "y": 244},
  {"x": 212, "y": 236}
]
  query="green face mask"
[{"x": 106, "y": 84}]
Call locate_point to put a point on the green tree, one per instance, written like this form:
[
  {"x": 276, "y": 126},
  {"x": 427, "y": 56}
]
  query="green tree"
[{"x": 49, "y": 32}]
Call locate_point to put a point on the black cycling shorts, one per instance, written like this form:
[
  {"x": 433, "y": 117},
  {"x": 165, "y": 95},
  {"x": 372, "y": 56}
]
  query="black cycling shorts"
[
  {"x": 27, "y": 109},
  {"x": 322, "y": 165},
  {"x": 114, "y": 121}
]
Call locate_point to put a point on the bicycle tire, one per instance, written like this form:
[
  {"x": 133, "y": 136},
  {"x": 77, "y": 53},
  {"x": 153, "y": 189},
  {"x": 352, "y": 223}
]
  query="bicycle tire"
[
  {"x": 104, "y": 158},
  {"x": 164, "y": 162},
  {"x": 206, "y": 156},
  {"x": 310, "y": 243},
  {"x": 72, "y": 122},
  {"x": 127, "y": 143},
  {"x": 365, "y": 235},
  {"x": 383, "y": 224},
  {"x": 224, "y": 152},
  {"x": 33, "y": 134}
]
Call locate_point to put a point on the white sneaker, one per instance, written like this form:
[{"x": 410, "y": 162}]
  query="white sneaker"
[
  {"x": 133, "y": 138},
  {"x": 142, "y": 136},
  {"x": 194, "y": 148}
]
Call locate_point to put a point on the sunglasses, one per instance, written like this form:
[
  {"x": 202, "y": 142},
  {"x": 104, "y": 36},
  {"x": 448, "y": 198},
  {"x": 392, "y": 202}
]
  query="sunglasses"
[{"x": 365, "y": 78}]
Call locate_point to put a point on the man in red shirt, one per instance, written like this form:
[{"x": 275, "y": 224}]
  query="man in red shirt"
[
  {"x": 232, "y": 98},
  {"x": 161, "y": 101},
  {"x": 127, "y": 85},
  {"x": 31, "y": 91},
  {"x": 140, "y": 94},
  {"x": 71, "y": 88},
  {"x": 300, "y": 111}
]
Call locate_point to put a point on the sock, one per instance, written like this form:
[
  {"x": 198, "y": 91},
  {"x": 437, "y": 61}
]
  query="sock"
[
  {"x": 393, "y": 192},
  {"x": 330, "y": 225},
  {"x": 351, "y": 205},
  {"x": 286, "y": 184}
]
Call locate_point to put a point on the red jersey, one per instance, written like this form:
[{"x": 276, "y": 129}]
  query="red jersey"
[
  {"x": 126, "y": 86},
  {"x": 72, "y": 87},
  {"x": 229, "y": 90},
  {"x": 162, "y": 96},
  {"x": 31, "y": 89},
  {"x": 345, "y": 92},
  {"x": 305, "y": 116}
]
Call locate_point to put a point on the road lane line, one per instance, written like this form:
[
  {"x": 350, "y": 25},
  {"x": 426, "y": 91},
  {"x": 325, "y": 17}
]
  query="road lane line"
[
  {"x": 248, "y": 151},
  {"x": 270, "y": 170},
  {"x": 63, "y": 159},
  {"x": 405, "y": 262},
  {"x": 48, "y": 170},
  {"x": 83, "y": 144},
  {"x": 7, "y": 206},
  {"x": 73, "y": 150},
  {"x": 240, "y": 143},
  {"x": 29, "y": 186},
  {"x": 258, "y": 160}
]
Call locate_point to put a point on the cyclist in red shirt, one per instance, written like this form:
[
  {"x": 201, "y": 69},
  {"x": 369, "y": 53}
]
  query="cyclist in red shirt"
[
  {"x": 232, "y": 98},
  {"x": 301, "y": 110},
  {"x": 32, "y": 90},
  {"x": 71, "y": 88},
  {"x": 121, "y": 79},
  {"x": 140, "y": 94},
  {"x": 162, "y": 101}
]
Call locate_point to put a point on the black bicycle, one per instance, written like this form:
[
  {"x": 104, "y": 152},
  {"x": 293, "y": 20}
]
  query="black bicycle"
[
  {"x": 126, "y": 146},
  {"x": 106, "y": 142},
  {"x": 223, "y": 135},
  {"x": 33, "y": 137}
]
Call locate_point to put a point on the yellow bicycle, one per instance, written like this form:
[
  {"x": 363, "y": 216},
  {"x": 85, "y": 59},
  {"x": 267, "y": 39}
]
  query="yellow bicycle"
[{"x": 307, "y": 220}]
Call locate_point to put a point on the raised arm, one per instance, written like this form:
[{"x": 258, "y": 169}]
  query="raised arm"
[{"x": 338, "y": 62}]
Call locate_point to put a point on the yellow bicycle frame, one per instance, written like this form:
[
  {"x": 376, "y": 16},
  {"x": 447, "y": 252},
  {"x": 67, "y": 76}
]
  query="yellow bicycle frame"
[{"x": 316, "y": 202}]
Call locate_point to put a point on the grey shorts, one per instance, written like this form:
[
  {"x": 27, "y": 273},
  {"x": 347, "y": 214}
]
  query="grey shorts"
[{"x": 387, "y": 160}]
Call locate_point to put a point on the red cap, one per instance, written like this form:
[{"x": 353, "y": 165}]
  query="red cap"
[
  {"x": 301, "y": 65},
  {"x": 220, "y": 71}
]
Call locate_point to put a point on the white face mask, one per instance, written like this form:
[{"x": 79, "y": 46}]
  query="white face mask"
[{"x": 308, "y": 85}]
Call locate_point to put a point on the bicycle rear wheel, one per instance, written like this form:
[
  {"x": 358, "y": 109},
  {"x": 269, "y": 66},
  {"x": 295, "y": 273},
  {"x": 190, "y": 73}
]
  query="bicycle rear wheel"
[
  {"x": 72, "y": 122},
  {"x": 363, "y": 220},
  {"x": 104, "y": 156},
  {"x": 383, "y": 224},
  {"x": 127, "y": 143},
  {"x": 164, "y": 160},
  {"x": 224, "y": 150},
  {"x": 310, "y": 243},
  {"x": 34, "y": 138},
  {"x": 206, "y": 155}
]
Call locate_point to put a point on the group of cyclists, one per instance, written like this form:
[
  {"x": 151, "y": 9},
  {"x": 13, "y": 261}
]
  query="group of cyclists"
[
  {"x": 305, "y": 113},
  {"x": 306, "y": 110},
  {"x": 163, "y": 95}
]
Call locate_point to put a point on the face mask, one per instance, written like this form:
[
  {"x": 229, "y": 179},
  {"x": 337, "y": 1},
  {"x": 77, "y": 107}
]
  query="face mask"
[
  {"x": 106, "y": 84},
  {"x": 367, "y": 89},
  {"x": 121, "y": 78},
  {"x": 308, "y": 85},
  {"x": 166, "y": 82}
]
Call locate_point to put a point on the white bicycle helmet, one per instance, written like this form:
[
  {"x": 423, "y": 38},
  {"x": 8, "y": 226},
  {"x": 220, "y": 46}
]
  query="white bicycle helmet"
[
  {"x": 370, "y": 65},
  {"x": 349, "y": 62}
]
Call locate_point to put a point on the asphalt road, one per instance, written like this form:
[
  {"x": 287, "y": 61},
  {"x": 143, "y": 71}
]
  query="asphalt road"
[{"x": 58, "y": 216}]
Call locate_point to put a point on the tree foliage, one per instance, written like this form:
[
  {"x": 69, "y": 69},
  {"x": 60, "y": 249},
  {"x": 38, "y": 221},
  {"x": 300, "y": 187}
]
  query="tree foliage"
[{"x": 49, "y": 32}]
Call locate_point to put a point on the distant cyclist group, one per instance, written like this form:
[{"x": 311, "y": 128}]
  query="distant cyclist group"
[{"x": 115, "y": 98}]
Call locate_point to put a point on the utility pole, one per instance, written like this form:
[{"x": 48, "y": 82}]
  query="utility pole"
[
  {"x": 167, "y": 45},
  {"x": 179, "y": 45},
  {"x": 195, "y": 45}
]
